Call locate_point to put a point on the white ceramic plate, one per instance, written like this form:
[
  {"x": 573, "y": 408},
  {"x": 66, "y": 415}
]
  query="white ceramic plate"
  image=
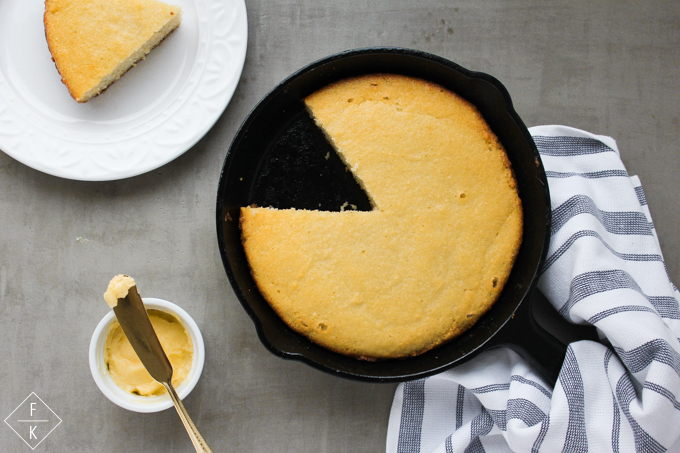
[{"x": 149, "y": 117}]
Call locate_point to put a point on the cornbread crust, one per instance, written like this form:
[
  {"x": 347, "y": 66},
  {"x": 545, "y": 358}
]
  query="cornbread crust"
[
  {"x": 434, "y": 253},
  {"x": 94, "y": 42}
]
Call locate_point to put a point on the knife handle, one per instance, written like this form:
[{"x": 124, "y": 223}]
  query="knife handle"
[{"x": 199, "y": 442}]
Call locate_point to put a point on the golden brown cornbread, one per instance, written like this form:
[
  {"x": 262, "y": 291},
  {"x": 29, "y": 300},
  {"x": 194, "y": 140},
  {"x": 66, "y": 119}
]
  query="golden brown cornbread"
[
  {"x": 94, "y": 42},
  {"x": 434, "y": 253}
]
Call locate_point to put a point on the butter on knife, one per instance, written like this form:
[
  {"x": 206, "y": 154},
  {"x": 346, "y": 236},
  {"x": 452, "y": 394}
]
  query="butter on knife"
[{"x": 118, "y": 289}]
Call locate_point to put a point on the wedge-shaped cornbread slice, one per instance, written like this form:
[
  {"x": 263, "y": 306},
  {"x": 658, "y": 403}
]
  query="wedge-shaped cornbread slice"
[{"x": 94, "y": 42}]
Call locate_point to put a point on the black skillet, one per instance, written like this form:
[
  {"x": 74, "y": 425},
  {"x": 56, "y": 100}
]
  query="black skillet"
[{"x": 280, "y": 159}]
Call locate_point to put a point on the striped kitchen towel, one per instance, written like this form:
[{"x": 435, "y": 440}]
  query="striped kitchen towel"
[{"x": 604, "y": 268}]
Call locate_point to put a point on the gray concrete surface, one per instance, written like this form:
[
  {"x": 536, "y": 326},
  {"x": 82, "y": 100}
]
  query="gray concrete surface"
[{"x": 610, "y": 67}]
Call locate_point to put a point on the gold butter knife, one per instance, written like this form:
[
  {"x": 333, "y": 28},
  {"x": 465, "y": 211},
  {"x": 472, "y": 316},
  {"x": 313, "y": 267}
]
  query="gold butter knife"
[{"x": 135, "y": 322}]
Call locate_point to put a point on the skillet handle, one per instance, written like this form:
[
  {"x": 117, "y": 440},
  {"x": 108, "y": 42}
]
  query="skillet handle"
[{"x": 543, "y": 350}]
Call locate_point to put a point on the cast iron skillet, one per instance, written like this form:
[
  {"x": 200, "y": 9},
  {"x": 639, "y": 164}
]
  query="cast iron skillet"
[{"x": 280, "y": 159}]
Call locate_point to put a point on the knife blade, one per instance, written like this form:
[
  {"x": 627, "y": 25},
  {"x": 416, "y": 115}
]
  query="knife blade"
[{"x": 137, "y": 326}]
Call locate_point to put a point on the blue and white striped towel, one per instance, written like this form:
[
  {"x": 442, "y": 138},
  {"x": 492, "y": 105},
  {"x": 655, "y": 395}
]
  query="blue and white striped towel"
[{"x": 604, "y": 268}]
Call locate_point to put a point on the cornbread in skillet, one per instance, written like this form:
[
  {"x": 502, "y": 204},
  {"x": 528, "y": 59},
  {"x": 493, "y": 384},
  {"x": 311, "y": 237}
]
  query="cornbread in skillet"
[
  {"x": 434, "y": 253},
  {"x": 94, "y": 42}
]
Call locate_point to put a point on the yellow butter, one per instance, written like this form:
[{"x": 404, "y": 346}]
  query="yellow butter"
[
  {"x": 118, "y": 289},
  {"x": 128, "y": 372}
]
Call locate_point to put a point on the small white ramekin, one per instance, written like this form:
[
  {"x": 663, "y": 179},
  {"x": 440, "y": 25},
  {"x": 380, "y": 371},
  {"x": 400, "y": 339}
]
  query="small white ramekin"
[{"x": 138, "y": 403}]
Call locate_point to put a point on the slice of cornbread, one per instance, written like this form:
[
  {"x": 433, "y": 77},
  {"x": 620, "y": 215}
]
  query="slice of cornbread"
[
  {"x": 431, "y": 257},
  {"x": 94, "y": 42}
]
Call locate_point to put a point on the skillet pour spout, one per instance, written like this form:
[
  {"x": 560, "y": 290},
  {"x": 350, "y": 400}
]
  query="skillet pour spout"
[{"x": 251, "y": 170}]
